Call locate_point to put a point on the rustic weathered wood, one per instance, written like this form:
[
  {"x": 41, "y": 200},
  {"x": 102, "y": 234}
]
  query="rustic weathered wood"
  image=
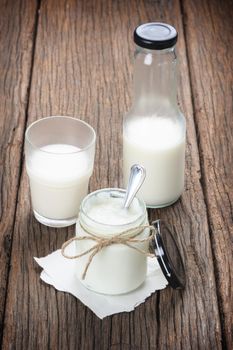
[
  {"x": 209, "y": 28},
  {"x": 17, "y": 24},
  {"x": 83, "y": 67}
]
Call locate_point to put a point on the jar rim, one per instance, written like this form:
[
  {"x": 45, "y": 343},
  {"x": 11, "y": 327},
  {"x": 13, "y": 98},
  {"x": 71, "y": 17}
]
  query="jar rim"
[{"x": 120, "y": 190}]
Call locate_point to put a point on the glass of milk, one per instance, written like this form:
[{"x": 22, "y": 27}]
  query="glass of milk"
[
  {"x": 115, "y": 269},
  {"x": 59, "y": 162},
  {"x": 154, "y": 129}
]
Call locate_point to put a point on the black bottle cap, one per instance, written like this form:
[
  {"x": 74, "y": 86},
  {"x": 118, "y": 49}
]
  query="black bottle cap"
[
  {"x": 168, "y": 255},
  {"x": 155, "y": 36}
]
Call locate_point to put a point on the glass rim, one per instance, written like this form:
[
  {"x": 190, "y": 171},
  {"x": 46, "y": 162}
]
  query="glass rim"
[
  {"x": 109, "y": 189},
  {"x": 27, "y": 138}
]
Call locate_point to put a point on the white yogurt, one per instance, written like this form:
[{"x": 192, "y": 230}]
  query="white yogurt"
[
  {"x": 159, "y": 145},
  {"x": 109, "y": 210},
  {"x": 116, "y": 269},
  {"x": 59, "y": 177}
]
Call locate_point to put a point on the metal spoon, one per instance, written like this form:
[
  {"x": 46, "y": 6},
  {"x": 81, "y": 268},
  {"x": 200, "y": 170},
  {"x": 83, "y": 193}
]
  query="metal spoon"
[{"x": 136, "y": 179}]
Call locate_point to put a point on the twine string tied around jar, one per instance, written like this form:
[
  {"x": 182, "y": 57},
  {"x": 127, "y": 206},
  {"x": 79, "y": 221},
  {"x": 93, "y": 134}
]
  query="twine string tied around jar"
[{"x": 126, "y": 238}]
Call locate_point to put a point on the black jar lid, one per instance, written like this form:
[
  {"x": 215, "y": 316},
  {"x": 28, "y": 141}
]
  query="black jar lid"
[
  {"x": 155, "y": 36},
  {"x": 168, "y": 255}
]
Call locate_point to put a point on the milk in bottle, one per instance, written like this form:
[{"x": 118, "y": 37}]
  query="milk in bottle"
[{"x": 154, "y": 128}]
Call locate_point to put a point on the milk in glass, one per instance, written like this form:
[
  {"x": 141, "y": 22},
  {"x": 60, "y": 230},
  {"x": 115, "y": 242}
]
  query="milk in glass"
[
  {"x": 59, "y": 161},
  {"x": 59, "y": 177}
]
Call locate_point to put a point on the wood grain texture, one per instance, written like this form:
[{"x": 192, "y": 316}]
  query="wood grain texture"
[
  {"x": 209, "y": 29},
  {"x": 83, "y": 67},
  {"x": 17, "y": 22}
]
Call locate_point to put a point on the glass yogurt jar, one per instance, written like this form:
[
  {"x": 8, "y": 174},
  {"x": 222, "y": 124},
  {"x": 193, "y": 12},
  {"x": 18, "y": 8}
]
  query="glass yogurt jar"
[
  {"x": 111, "y": 245},
  {"x": 118, "y": 267}
]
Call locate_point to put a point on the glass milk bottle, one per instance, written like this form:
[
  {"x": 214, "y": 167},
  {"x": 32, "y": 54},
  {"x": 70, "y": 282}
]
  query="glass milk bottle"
[{"x": 154, "y": 129}]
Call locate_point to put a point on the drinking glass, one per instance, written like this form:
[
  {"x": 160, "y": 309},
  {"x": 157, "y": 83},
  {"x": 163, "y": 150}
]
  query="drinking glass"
[{"x": 60, "y": 154}]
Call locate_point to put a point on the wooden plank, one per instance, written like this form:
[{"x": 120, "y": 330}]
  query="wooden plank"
[
  {"x": 209, "y": 29},
  {"x": 83, "y": 67},
  {"x": 17, "y": 24}
]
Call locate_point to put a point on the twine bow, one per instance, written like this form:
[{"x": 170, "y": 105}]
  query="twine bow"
[{"x": 102, "y": 242}]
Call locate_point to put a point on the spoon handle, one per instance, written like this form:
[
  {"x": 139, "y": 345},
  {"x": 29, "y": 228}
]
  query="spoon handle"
[{"x": 136, "y": 178}]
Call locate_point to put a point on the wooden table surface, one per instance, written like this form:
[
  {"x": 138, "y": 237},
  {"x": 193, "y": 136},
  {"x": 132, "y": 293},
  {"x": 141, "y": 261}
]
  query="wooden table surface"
[{"x": 75, "y": 58}]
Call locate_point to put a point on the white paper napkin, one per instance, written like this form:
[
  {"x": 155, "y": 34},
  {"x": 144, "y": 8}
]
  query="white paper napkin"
[{"x": 60, "y": 273}]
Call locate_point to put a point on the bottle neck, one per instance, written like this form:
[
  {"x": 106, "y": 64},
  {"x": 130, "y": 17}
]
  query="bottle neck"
[{"x": 155, "y": 87}]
